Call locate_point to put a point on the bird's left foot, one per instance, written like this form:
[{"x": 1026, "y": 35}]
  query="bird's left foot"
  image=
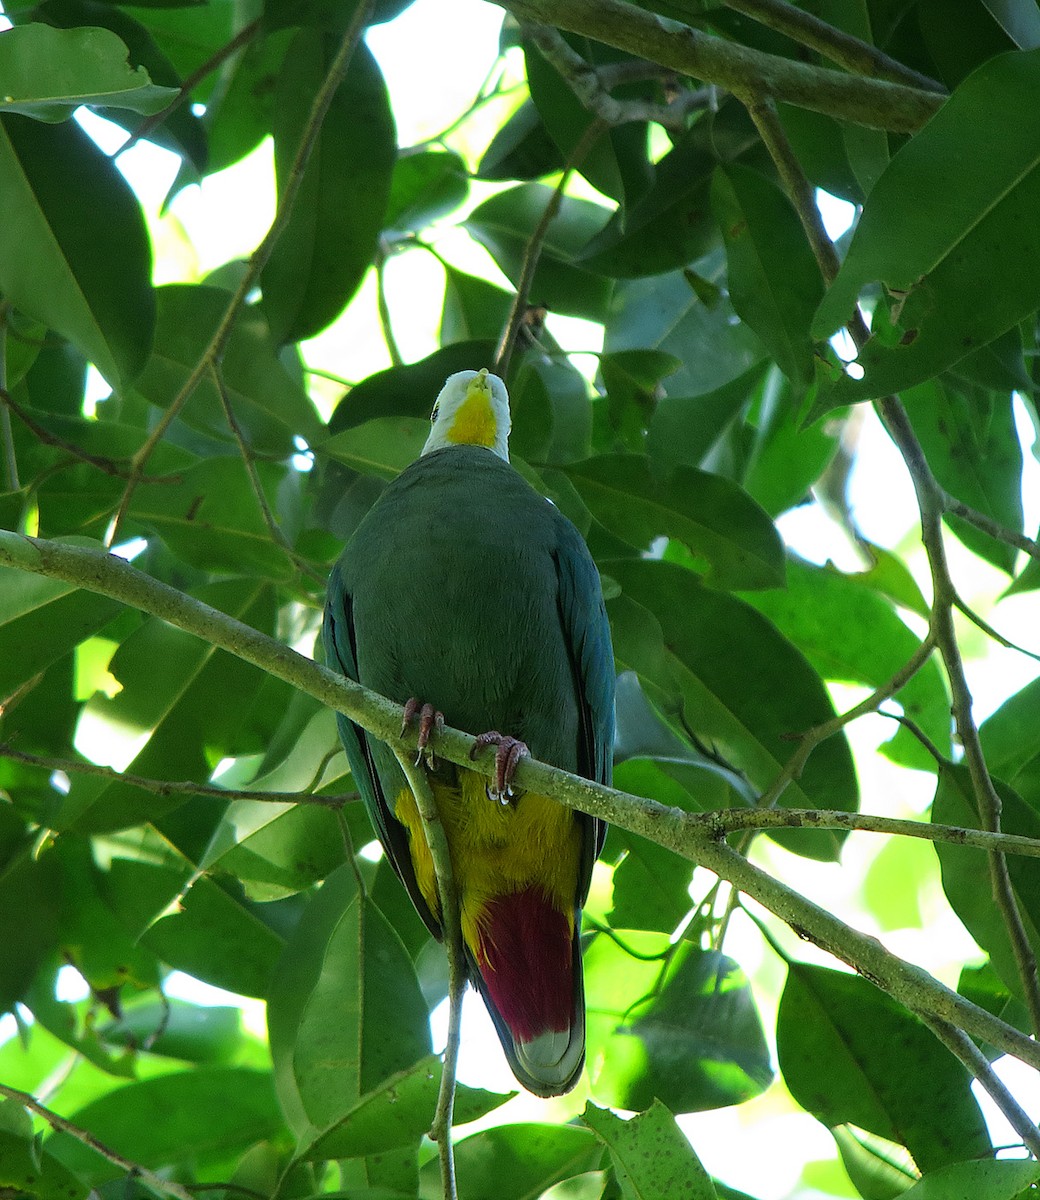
[
  {"x": 508, "y": 753},
  {"x": 429, "y": 721}
]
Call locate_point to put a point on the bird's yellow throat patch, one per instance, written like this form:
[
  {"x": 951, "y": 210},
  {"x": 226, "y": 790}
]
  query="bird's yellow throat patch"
[{"x": 474, "y": 423}]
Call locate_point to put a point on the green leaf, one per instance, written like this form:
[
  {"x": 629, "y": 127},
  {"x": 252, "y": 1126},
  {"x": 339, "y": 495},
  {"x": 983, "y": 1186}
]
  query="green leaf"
[
  {"x": 397, "y": 1113},
  {"x": 652, "y": 1156},
  {"x": 970, "y": 237},
  {"x": 175, "y": 690},
  {"x": 851, "y": 634},
  {"x": 678, "y": 1024},
  {"x": 852, "y": 1055},
  {"x": 47, "y": 73},
  {"x": 382, "y": 447},
  {"x": 963, "y": 870},
  {"x": 345, "y": 1011},
  {"x": 41, "y": 620},
  {"x": 87, "y": 278},
  {"x": 716, "y": 520},
  {"x": 868, "y": 1162},
  {"x": 504, "y": 225},
  {"x": 176, "y": 1029},
  {"x": 425, "y": 186},
  {"x": 666, "y": 313},
  {"x": 211, "y": 518},
  {"x": 1019, "y": 19},
  {"x": 29, "y": 910},
  {"x": 217, "y": 1111},
  {"x": 322, "y": 254},
  {"x": 969, "y": 438},
  {"x": 516, "y": 1162},
  {"x": 774, "y": 282},
  {"x": 988, "y": 1180},
  {"x": 25, "y": 1171},
  {"x": 741, "y": 687},
  {"x": 269, "y": 404},
  {"x": 521, "y": 148},
  {"x": 473, "y": 308}
]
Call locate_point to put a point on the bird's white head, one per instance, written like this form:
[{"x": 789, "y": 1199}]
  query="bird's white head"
[{"x": 471, "y": 410}]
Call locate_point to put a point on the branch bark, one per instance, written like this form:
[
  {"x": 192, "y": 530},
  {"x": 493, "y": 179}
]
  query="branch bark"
[
  {"x": 738, "y": 69},
  {"x": 687, "y": 835}
]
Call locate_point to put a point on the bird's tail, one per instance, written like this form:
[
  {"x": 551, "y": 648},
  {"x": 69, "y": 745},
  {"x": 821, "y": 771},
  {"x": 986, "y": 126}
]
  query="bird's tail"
[{"x": 526, "y": 963}]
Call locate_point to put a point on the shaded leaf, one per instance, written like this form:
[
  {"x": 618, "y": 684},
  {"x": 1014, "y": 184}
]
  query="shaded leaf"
[
  {"x": 716, "y": 520},
  {"x": 424, "y": 187},
  {"x": 330, "y": 239},
  {"x": 679, "y": 1025},
  {"x": 852, "y": 1055},
  {"x": 973, "y": 234},
  {"x": 88, "y": 279}
]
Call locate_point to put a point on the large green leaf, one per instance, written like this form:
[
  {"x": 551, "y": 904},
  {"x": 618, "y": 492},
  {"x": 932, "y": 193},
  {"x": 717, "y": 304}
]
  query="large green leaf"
[
  {"x": 728, "y": 675},
  {"x": 516, "y": 1162},
  {"x": 969, "y": 438},
  {"x": 851, "y": 634},
  {"x": 716, "y": 520},
  {"x": 965, "y": 877},
  {"x": 774, "y": 282},
  {"x": 851, "y": 1055},
  {"x": 667, "y": 312},
  {"x": 269, "y": 404},
  {"x": 330, "y": 239},
  {"x": 986, "y": 1180},
  {"x": 652, "y": 1156},
  {"x": 425, "y": 186},
  {"x": 29, "y": 910},
  {"x": 978, "y": 163},
  {"x": 88, "y": 278},
  {"x": 345, "y": 1011},
  {"x": 46, "y": 73},
  {"x": 504, "y": 225},
  {"x": 186, "y": 699},
  {"x": 675, "y": 1023},
  {"x": 26, "y": 1171},
  {"x": 217, "y": 1111},
  {"x": 41, "y": 620}
]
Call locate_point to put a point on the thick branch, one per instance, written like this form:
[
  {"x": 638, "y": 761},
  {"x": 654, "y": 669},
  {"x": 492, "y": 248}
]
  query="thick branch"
[
  {"x": 738, "y": 69},
  {"x": 672, "y": 828},
  {"x": 840, "y": 47}
]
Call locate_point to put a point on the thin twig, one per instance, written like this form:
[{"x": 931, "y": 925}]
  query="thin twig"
[
  {"x": 989, "y": 631},
  {"x": 172, "y": 787},
  {"x": 87, "y": 1139},
  {"x": 533, "y": 250},
  {"x": 451, "y": 924},
  {"x": 257, "y": 260},
  {"x": 999, "y": 532},
  {"x": 383, "y": 307},
  {"x": 960, "y": 1045},
  {"x": 217, "y": 59},
  {"x": 837, "y": 45},
  {"x": 732, "y": 820},
  {"x": 249, "y": 460},
  {"x": 811, "y": 738},
  {"x": 590, "y": 87}
]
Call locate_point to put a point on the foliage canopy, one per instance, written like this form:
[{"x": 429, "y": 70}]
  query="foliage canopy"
[{"x": 651, "y": 170}]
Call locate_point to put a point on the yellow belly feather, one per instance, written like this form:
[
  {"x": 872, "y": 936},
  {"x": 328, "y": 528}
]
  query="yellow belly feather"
[{"x": 496, "y": 848}]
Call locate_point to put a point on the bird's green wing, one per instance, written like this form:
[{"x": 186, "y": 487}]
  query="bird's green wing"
[
  {"x": 587, "y": 633},
  {"x": 341, "y": 654}
]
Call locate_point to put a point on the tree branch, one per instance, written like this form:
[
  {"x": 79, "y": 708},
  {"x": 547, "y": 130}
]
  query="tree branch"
[
  {"x": 738, "y": 69},
  {"x": 685, "y": 834},
  {"x": 840, "y": 47},
  {"x": 171, "y": 787}
]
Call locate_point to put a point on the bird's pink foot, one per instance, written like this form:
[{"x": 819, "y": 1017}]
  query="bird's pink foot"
[
  {"x": 429, "y": 721},
  {"x": 508, "y": 753}
]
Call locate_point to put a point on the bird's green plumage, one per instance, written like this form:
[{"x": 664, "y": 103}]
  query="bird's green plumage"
[{"x": 465, "y": 588}]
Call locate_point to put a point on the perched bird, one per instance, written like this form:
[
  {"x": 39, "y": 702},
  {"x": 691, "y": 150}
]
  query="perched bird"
[{"x": 468, "y": 597}]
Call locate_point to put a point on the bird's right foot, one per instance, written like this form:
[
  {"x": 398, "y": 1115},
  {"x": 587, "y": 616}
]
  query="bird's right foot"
[{"x": 430, "y": 720}]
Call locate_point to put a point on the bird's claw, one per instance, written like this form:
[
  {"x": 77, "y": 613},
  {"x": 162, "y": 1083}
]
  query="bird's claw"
[
  {"x": 508, "y": 753},
  {"x": 430, "y": 720}
]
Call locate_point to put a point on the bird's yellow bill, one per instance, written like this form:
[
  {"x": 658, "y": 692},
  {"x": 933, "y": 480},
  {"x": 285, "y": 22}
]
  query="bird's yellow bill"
[{"x": 474, "y": 423}]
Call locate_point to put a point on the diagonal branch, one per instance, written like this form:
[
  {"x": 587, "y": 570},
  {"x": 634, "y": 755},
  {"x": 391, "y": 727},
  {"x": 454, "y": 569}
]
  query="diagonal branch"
[
  {"x": 687, "y": 835},
  {"x": 738, "y": 69}
]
